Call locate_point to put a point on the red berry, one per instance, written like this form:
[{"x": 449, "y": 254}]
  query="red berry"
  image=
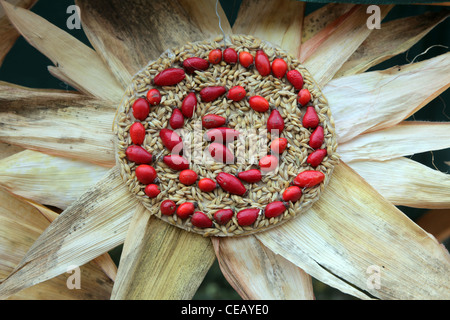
[
  {"x": 176, "y": 120},
  {"x": 250, "y": 176},
  {"x": 207, "y": 184},
  {"x": 236, "y": 93},
  {"x": 230, "y": 56},
  {"x": 141, "y": 109},
  {"x": 278, "y": 145},
  {"x": 145, "y": 174},
  {"x": 262, "y": 63},
  {"x": 308, "y": 178},
  {"x": 209, "y": 94},
  {"x": 304, "y": 96},
  {"x": 153, "y": 97},
  {"x": 194, "y": 63},
  {"x": 245, "y": 59},
  {"x": 259, "y": 103},
  {"x": 222, "y": 216},
  {"x": 310, "y": 118},
  {"x": 247, "y": 217},
  {"x": 315, "y": 158},
  {"x": 295, "y": 78},
  {"x": 230, "y": 184},
  {"x": 188, "y": 105},
  {"x": 316, "y": 138},
  {"x": 213, "y": 121},
  {"x": 188, "y": 177},
  {"x": 176, "y": 162},
  {"x": 171, "y": 140},
  {"x": 168, "y": 207},
  {"x": 222, "y": 134},
  {"x": 169, "y": 77},
  {"x": 279, "y": 68},
  {"x": 201, "y": 220},
  {"x": 152, "y": 190},
  {"x": 185, "y": 210},
  {"x": 274, "y": 209},
  {"x": 138, "y": 154},
  {"x": 215, "y": 56},
  {"x": 292, "y": 194},
  {"x": 268, "y": 163},
  {"x": 137, "y": 133},
  {"x": 275, "y": 123},
  {"x": 221, "y": 153}
]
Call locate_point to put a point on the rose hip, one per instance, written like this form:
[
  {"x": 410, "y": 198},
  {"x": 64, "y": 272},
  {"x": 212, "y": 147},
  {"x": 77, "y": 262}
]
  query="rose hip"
[
  {"x": 176, "y": 162},
  {"x": 230, "y": 56},
  {"x": 279, "y": 68},
  {"x": 185, "y": 210},
  {"x": 258, "y": 103},
  {"x": 145, "y": 174},
  {"x": 230, "y": 184},
  {"x": 222, "y": 216},
  {"x": 278, "y": 145},
  {"x": 275, "y": 123},
  {"x": 138, "y": 155},
  {"x": 316, "y": 138},
  {"x": 221, "y": 134},
  {"x": 215, "y": 56},
  {"x": 176, "y": 120},
  {"x": 188, "y": 105},
  {"x": 168, "y": 207},
  {"x": 213, "y": 121},
  {"x": 247, "y": 217},
  {"x": 207, "y": 184},
  {"x": 194, "y": 63},
  {"x": 304, "y": 96},
  {"x": 315, "y": 158},
  {"x": 201, "y": 220},
  {"x": 245, "y": 59},
  {"x": 171, "y": 140},
  {"x": 310, "y": 118},
  {"x": 152, "y": 190},
  {"x": 292, "y": 194},
  {"x": 137, "y": 133},
  {"x": 237, "y": 93},
  {"x": 209, "y": 94},
  {"x": 188, "y": 177},
  {"x": 141, "y": 109},
  {"x": 221, "y": 153},
  {"x": 169, "y": 77},
  {"x": 274, "y": 209},
  {"x": 268, "y": 163},
  {"x": 250, "y": 176},
  {"x": 153, "y": 97},
  {"x": 262, "y": 63},
  {"x": 308, "y": 178},
  {"x": 295, "y": 78}
]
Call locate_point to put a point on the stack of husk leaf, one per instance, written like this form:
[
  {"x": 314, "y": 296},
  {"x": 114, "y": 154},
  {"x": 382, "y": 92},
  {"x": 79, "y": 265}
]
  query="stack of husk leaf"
[{"x": 57, "y": 150}]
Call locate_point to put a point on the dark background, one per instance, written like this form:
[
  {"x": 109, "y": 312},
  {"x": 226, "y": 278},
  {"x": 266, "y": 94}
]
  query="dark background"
[{"x": 26, "y": 66}]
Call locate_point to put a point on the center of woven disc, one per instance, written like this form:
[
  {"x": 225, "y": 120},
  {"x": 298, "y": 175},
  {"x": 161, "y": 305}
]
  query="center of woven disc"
[{"x": 225, "y": 140}]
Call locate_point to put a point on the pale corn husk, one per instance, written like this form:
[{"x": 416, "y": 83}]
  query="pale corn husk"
[
  {"x": 380, "y": 99},
  {"x": 354, "y": 236},
  {"x": 76, "y": 63},
  {"x": 405, "y": 138},
  {"x": 406, "y": 182},
  {"x": 256, "y": 273}
]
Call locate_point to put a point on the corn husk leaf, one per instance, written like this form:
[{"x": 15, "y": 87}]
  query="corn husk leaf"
[
  {"x": 393, "y": 37},
  {"x": 75, "y": 63},
  {"x": 20, "y": 225},
  {"x": 160, "y": 261},
  {"x": 279, "y": 22},
  {"x": 63, "y": 124},
  {"x": 380, "y": 99},
  {"x": 405, "y": 138},
  {"x": 94, "y": 224},
  {"x": 358, "y": 242},
  {"x": 256, "y": 273},
  {"x": 406, "y": 182}
]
